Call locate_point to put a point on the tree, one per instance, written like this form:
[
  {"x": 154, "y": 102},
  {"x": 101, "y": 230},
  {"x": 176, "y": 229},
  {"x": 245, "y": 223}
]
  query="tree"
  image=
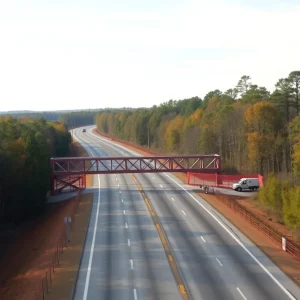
[
  {"x": 141, "y": 128},
  {"x": 294, "y": 78},
  {"x": 282, "y": 96},
  {"x": 25, "y": 149},
  {"x": 243, "y": 85},
  {"x": 255, "y": 94},
  {"x": 232, "y": 93},
  {"x": 211, "y": 94},
  {"x": 295, "y": 135},
  {"x": 260, "y": 120},
  {"x": 190, "y": 105},
  {"x": 173, "y": 134},
  {"x": 271, "y": 195},
  {"x": 218, "y": 124}
]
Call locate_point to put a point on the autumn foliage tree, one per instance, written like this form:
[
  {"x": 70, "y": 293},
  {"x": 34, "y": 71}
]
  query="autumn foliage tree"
[
  {"x": 260, "y": 119},
  {"x": 25, "y": 149},
  {"x": 247, "y": 125}
]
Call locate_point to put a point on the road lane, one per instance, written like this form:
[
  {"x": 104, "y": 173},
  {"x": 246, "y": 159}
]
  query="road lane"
[
  {"x": 199, "y": 271},
  {"x": 207, "y": 242},
  {"x": 128, "y": 261},
  {"x": 153, "y": 277},
  {"x": 230, "y": 271}
]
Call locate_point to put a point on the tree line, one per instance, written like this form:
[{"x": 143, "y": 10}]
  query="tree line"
[
  {"x": 73, "y": 119},
  {"x": 83, "y": 118},
  {"x": 25, "y": 149},
  {"x": 253, "y": 129}
]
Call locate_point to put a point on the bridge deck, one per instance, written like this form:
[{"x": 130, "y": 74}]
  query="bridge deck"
[
  {"x": 68, "y": 173},
  {"x": 135, "y": 164}
]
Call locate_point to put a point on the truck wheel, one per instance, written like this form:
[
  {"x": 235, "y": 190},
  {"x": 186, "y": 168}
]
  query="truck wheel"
[{"x": 239, "y": 189}]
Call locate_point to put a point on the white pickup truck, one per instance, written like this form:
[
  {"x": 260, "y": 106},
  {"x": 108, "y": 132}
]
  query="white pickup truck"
[{"x": 246, "y": 184}]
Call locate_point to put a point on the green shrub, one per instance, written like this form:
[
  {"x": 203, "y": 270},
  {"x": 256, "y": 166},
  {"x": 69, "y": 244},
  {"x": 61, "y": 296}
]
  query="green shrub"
[{"x": 271, "y": 197}]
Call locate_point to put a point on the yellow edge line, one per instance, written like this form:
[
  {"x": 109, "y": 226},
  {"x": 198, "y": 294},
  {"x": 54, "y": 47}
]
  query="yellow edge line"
[{"x": 164, "y": 242}]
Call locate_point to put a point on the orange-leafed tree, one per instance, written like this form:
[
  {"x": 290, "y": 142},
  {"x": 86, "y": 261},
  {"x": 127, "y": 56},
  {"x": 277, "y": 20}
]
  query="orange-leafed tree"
[
  {"x": 261, "y": 121},
  {"x": 173, "y": 133}
]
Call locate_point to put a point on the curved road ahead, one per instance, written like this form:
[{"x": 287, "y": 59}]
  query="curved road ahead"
[{"x": 123, "y": 256}]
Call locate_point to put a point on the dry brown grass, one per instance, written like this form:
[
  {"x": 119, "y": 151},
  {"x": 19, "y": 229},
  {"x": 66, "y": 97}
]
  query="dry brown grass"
[
  {"x": 65, "y": 275},
  {"x": 30, "y": 255}
]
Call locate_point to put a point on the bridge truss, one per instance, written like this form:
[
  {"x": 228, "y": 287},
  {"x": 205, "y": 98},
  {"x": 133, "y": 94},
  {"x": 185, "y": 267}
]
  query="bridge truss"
[{"x": 69, "y": 172}]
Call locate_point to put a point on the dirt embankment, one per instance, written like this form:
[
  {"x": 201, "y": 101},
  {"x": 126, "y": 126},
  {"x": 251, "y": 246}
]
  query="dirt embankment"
[
  {"x": 286, "y": 262},
  {"x": 29, "y": 255},
  {"x": 65, "y": 276}
]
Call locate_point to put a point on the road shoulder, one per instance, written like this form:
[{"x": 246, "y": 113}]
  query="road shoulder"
[{"x": 65, "y": 275}]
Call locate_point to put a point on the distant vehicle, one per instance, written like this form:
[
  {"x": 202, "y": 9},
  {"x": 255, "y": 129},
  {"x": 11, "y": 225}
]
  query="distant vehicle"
[
  {"x": 84, "y": 130},
  {"x": 246, "y": 184}
]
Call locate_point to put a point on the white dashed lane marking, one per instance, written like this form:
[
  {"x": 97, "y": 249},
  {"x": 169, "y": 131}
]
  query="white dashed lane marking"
[
  {"x": 219, "y": 262},
  {"x": 243, "y": 296}
]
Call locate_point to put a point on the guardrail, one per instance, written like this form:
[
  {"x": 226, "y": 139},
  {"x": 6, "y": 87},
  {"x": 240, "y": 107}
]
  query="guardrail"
[
  {"x": 43, "y": 284},
  {"x": 290, "y": 246},
  {"x": 219, "y": 180}
]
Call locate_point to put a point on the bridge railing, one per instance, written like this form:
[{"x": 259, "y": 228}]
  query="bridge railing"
[{"x": 139, "y": 164}]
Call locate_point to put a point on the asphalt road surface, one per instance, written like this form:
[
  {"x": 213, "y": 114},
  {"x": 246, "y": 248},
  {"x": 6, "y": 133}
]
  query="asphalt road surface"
[{"x": 123, "y": 256}]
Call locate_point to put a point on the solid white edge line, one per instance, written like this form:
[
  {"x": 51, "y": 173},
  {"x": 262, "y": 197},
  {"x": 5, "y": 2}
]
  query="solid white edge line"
[
  {"x": 238, "y": 241},
  {"x": 203, "y": 239},
  {"x": 87, "y": 280},
  {"x": 134, "y": 294},
  {"x": 131, "y": 264},
  {"x": 219, "y": 262},
  {"x": 244, "y": 297},
  {"x": 183, "y": 212}
]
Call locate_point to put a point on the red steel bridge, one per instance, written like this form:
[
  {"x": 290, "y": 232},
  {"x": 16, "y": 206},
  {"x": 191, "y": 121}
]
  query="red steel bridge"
[{"x": 69, "y": 173}]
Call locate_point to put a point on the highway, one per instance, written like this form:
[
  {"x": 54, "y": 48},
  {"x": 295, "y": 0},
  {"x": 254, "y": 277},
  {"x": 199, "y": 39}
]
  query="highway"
[{"x": 124, "y": 258}]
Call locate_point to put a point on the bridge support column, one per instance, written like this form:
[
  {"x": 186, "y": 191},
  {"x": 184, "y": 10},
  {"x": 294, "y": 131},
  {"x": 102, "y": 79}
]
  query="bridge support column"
[{"x": 67, "y": 184}]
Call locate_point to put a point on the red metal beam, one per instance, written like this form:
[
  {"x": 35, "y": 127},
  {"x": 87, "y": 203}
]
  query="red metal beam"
[
  {"x": 135, "y": 164},
  {"x": 71, "y": 183}
]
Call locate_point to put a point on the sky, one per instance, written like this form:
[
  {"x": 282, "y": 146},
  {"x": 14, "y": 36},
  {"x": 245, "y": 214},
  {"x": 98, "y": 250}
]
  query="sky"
[{"x": 80, "y": 54}]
